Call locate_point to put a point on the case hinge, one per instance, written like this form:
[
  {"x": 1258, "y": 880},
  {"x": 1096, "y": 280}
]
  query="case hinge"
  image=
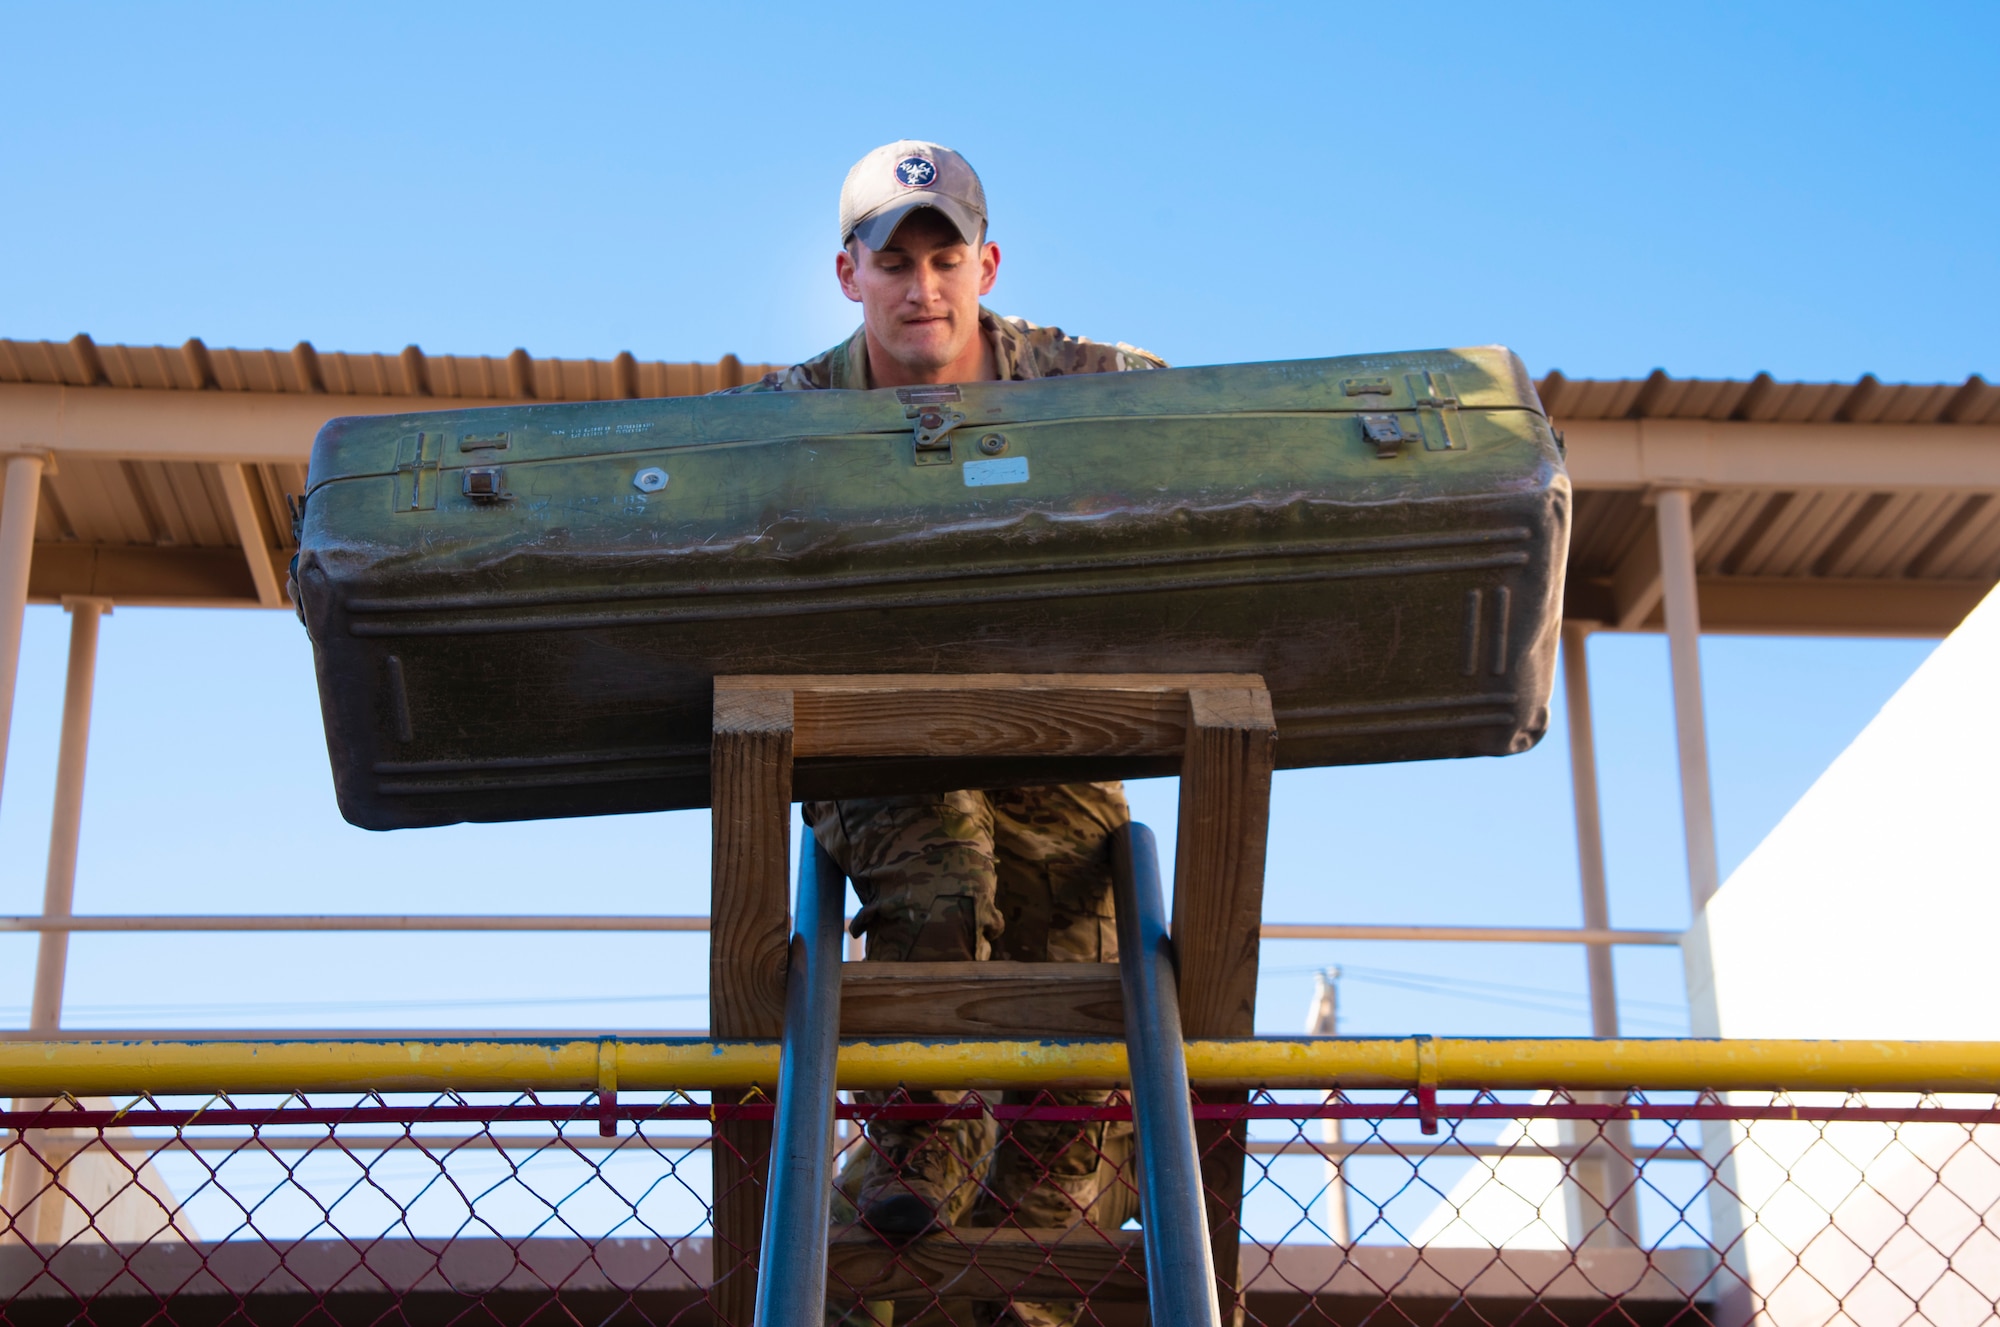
[
  {"x": 1432, "y": 389},
  {"x": 417, "y": 458},
  {"x": 1437, "y": 412}
]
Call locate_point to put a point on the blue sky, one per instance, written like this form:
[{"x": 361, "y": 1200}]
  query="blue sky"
[{"x": 1711, "y": 189}]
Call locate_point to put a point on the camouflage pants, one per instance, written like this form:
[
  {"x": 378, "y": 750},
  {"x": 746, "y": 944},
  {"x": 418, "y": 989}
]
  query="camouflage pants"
[{"x": 1021, "y": 874}]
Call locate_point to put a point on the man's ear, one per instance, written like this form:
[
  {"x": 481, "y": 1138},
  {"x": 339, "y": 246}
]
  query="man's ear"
[
  {"x": 844, "y": 271},
  {"x": 989, "y": 266}
]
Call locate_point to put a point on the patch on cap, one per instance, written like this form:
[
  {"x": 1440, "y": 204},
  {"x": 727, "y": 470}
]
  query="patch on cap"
[
  {"x": 900, "y": 177},
  {"x": 916, "y": 173}
]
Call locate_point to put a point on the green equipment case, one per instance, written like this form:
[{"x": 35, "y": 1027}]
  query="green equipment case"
[{"x": 517, "y": 613}]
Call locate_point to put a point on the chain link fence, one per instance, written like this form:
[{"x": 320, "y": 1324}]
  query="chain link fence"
[{"x": 1356, "y": 1208}]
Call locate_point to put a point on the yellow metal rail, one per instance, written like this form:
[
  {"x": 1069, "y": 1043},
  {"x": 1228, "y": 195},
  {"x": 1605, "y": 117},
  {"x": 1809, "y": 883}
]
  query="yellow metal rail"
[{"x": 109, "y": 1068}]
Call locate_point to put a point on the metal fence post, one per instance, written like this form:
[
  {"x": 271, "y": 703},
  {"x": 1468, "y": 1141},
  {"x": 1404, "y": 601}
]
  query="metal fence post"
[
  {"x": 66, "y": 821},
  {"x": 1675, "y": 512},
  {"x": 18, "y": 510},
  {"x": 1180, "y": 1271},
  {"x": 39, "y": 1219},
  {"x": 791, "y": 1278}
]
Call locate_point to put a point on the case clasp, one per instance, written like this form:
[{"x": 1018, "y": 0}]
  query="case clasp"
[{"x": 933, "y": 432}]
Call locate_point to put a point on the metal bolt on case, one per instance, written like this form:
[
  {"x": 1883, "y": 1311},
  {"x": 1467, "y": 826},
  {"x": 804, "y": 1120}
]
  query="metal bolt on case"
[
  {"x": 993, "y": 444},
  {"x": 650, "y": 480}
]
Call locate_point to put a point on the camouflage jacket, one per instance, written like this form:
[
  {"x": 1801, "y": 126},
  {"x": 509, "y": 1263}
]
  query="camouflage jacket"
[{"x": 1021, "y": 350}]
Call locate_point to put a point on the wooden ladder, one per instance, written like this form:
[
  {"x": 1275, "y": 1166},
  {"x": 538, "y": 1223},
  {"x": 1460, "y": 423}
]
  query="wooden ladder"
[{"x": 1220, "y": 726}]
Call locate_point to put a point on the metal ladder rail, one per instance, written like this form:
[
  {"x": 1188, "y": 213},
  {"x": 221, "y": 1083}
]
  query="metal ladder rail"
[
  {"x": 1180, "y": 1273},
  {"x": 791, "y": 1276},
  {"x": 1173, "y": 1211}
]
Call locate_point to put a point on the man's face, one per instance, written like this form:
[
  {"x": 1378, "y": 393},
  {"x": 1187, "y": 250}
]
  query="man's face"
[{"x": 919, "y": 295}]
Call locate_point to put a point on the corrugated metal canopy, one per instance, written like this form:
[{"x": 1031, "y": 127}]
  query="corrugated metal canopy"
[
  {"x": 1828, "y": 550},
  {"x": 1763, "y": 400},
  {"x": 141, "y": 528},
  {"x": 192, "y": 366},
  {"x": 1862, "y": 507}
]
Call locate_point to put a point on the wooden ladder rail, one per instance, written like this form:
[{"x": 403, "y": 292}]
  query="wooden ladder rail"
[{"x": 1221, "y": 726}]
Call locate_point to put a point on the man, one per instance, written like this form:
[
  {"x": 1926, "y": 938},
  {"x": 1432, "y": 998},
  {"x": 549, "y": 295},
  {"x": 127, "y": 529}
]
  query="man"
[{"x": 1018, "y": 873}]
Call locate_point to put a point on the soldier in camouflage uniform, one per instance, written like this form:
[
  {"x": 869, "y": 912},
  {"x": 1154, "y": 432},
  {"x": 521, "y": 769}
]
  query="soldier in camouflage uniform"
[
  {"x": 1017, "y": 873},
  {"x": 1020, "y": 349}
]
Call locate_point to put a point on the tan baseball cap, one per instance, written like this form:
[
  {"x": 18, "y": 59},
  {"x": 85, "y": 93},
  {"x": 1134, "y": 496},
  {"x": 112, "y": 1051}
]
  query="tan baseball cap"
[{"x": 898, "y": 178}]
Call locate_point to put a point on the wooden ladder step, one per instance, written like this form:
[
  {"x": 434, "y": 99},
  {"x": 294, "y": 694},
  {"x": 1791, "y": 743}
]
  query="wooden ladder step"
[
  {"x": 991, "y": 999},
  {"x": 990, "y": 1263}
]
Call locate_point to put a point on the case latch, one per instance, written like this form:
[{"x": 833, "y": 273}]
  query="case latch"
[
  {"x": 930, "y": 407},
  {"x": 1386, "y": 432},
  {"x": 933, "y": 433},
  {"x": 482, "y": 484}
]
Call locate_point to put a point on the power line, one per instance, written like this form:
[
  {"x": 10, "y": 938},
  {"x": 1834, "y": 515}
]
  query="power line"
[
  {"x": 1536, "y": 998},
  {"x": 96, "y": 1012}
]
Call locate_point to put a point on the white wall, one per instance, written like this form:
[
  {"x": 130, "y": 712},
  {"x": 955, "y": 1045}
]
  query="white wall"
[{"x": 1871, "y": 911}]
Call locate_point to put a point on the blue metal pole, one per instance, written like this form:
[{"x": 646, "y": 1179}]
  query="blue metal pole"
[
  {"x": 1180, "y": 1268},
  {"x": 791, "y": 1276}
]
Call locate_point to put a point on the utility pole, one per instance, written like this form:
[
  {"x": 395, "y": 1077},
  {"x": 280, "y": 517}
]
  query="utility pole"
[{"x": 1323, "y": 1020}]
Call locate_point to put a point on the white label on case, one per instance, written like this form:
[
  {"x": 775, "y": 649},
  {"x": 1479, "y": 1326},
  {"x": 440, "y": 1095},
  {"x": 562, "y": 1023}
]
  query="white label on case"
[{"x": 999, "y": 470}]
